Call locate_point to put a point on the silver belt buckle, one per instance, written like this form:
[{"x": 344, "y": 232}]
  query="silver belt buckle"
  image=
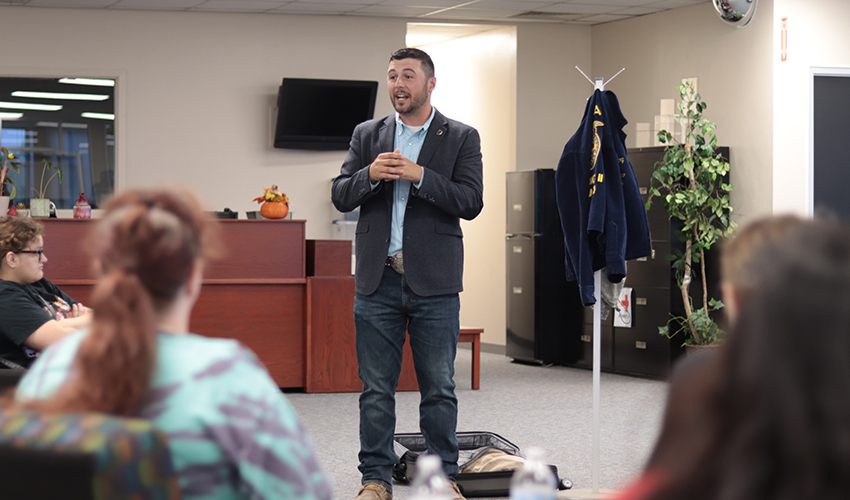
[{"x": 398, "y": 263}]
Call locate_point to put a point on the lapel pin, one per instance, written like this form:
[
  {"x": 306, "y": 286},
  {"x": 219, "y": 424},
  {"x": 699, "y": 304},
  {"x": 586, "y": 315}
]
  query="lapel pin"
[{"x": 440, "y": 132}]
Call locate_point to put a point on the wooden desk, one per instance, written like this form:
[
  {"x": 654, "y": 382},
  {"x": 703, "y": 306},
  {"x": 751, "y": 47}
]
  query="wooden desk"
[
  {"x": 301, "y": 328},
  {"x": 256, "y": 293},
  {"x": 331, "y": 347},
  {"x": 473, "y": 335}
]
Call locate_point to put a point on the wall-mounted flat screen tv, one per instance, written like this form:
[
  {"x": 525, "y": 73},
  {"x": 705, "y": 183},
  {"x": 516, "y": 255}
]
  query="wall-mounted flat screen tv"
[{"x": 321, "y": 114}]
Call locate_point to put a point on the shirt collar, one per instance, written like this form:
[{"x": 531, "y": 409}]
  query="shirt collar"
[{"x": 401, "y": 126}]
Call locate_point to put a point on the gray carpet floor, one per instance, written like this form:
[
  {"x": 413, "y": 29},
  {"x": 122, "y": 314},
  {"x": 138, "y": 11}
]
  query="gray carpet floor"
[{"x": 549, "y": 407}]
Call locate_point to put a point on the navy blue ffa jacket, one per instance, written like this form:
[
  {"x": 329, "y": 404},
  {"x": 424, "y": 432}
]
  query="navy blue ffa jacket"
[{"x": 602, "y": 213}]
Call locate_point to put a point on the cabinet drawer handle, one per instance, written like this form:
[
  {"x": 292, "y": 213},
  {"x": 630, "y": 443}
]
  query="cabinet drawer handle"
[
  {"x": 640, "y": 301},
  {"x": 586, "y": 338},
  {"x": 640, "y": 345}
]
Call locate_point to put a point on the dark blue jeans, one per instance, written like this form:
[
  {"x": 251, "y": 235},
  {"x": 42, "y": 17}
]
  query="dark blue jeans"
[{"x": 381, "y": 320}]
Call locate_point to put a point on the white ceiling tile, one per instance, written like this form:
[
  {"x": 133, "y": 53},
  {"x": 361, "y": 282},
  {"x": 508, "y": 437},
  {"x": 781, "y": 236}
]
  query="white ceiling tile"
[
  {"x": 674, "y": 4},
  {"x": 70, "y": 3},
  {"x": 318, "y": 8},
  {"x": 433, "y": 4},
  {"x": 156, "y": 4},
  {"x": 572, "y": 8},
  {"x": 392, "y": 10},
  {"x": 638, "y": 11},
  {"x": 474, "y": 14},
  {"x": 519, "y": 5},
  {"x": 239, "y": 6},
  {"x": 612, "y": 3},
  {"x": 356, "y": 2},
  {"x": 605, "y": 18}
]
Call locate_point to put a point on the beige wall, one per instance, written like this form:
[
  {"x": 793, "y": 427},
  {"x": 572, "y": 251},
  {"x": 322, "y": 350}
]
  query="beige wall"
[
  {"x": 734, "y": 70},
  {"x": 196, "y": 91},
  {"x": 817, "y": 38},
  {"x": 476, "y": 84},
  {"x": 551, "y": 93}
]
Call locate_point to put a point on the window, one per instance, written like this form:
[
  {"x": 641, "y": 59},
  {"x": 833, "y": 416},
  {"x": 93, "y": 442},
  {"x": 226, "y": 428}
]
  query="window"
[{"x": 75, "y": 134}]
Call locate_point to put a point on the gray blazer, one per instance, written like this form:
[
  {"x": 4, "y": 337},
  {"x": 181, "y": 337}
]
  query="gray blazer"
[{"x": 451, "y": 189}]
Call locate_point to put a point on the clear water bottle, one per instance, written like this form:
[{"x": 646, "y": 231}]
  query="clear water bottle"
[
  {"x": 430, "y": 483},
  {"x": 535, "y": 480}
]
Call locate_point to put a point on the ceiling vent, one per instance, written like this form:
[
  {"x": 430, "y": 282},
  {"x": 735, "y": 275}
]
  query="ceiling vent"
[{"x": 549, "y": 16}]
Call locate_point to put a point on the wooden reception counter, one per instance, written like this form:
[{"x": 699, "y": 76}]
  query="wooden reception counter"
[
  {"x": 257, "y": 293},
  {"x": 301, "y": 327}
]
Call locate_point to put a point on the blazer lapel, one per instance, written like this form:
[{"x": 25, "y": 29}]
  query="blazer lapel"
[
  {"x": 436, "y": 133},
  {"x": 386, "y": 135},
  {"x": 386, "y": 141}
]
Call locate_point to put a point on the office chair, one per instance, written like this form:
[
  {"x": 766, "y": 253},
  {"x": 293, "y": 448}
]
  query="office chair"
[{"x": 83, "y": 457}]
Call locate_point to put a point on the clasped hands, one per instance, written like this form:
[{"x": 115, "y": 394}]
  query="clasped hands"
[
  {"x": 392, "y": 166},
  {"x": 78, "y": 310}
]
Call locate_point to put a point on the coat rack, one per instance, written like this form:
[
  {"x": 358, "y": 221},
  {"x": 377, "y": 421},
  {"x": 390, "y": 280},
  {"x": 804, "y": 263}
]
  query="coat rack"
[{"x": 598, "y": 84}]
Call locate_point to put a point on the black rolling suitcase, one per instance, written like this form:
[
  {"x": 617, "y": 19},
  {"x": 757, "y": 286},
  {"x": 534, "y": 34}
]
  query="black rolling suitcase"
[{"x": 472, "y": 446}]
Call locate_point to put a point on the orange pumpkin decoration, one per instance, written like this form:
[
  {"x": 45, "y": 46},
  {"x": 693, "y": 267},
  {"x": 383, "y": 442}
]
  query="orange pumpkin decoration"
[
  {"x": 275, "y": 204},
  {"x": 274, "y": 210}
]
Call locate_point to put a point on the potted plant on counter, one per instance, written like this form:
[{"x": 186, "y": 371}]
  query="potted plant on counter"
[
  {"x": 39, "y": 204},
  {"x": 692, "y": 180},
  {"x": 7, "y": 188}
]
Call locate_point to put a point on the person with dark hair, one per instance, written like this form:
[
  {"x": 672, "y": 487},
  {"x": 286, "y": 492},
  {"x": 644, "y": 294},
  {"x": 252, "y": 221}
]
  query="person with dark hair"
[
  {"x": 232, "y": 434},
  {"x": 738, "y": 278},
  {"x": 414, "y": 175},
  {"x": 774, "y": 408},
  {"x": 781, "y": 412},
  {"x": 34, "y": 313}
]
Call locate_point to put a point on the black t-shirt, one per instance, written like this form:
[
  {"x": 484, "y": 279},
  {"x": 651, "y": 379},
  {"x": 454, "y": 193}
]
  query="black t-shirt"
[{"x": 23, "y": 310}]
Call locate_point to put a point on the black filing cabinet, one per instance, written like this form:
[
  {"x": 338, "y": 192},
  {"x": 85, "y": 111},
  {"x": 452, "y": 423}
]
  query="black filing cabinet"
[
  {"x": 641, "y": 350},
  {"x": 607, "y": 334}
]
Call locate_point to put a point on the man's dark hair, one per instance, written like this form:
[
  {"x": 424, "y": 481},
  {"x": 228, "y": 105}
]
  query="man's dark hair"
[{"x": 419, "y": 55}]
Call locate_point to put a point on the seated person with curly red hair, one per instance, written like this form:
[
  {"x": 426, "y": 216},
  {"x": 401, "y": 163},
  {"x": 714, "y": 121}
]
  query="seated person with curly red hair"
[{"x": 34, "y": 313}]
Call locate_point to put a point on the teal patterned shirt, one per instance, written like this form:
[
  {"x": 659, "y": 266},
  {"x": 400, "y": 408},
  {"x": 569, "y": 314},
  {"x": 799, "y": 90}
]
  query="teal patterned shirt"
[{"x": 232, "y": 434}]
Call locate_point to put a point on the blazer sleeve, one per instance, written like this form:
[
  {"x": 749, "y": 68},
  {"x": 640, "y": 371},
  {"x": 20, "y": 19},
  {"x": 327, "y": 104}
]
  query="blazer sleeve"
[
  {"x": 352, "y": 187},
  {"x": 461, "y": 193}
]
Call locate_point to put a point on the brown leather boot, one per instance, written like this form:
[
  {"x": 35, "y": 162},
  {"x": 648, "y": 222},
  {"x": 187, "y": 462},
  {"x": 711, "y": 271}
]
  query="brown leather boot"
[
  {"x": 373, "y": 491},
  {"x": 457, "y": 494}
]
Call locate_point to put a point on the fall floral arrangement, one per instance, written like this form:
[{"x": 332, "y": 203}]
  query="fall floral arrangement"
[
  {"x": 273, "y": 194},
  {"x": 275, "y": 204}
]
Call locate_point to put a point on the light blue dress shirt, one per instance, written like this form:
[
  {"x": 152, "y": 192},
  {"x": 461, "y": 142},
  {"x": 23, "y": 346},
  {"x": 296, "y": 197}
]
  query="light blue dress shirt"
[{"x": 409, "y": 141}]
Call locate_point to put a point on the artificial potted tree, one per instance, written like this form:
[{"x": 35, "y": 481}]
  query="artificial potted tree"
[{"x": 692, "y": 180}]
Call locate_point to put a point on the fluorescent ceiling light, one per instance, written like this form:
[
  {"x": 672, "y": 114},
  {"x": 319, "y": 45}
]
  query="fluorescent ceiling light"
[
  {"x": 24, "y": 105},
  {"x": 88, "y": 81},
  {"x": 10, "y": 116},
  {"x": 64, "y": 125},
  {"x": 59, "y": 95},
  {"x": 99, "y": 116}
]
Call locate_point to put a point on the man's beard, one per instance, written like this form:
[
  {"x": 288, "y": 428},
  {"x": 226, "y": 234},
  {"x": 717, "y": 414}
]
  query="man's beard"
[{"x": 415, "y": 103}]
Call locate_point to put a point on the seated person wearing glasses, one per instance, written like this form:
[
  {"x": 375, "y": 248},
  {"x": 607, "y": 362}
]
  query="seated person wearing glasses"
[{"x": 34, "y": 313}]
